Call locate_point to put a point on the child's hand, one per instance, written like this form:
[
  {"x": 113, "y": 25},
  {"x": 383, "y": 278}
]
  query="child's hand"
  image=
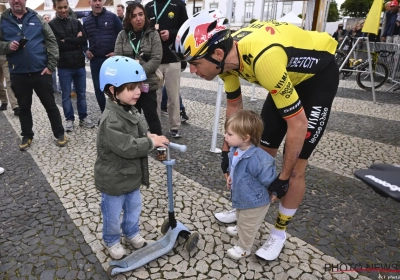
[
  {"x": 160, "y": 141},
  {"x": 228, "y": 182}
]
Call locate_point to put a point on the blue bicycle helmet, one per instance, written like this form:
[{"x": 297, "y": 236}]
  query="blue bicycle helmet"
[{"x": 119, "y": 70}]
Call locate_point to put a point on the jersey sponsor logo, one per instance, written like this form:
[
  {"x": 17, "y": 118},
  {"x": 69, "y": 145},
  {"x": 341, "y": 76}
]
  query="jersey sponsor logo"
[
  {"x": 308, "y": 134},
  {"x": 201, "y": 33},
  {"x": 270, "y": 29},
  {"x": 274, "y": 91},
  {"x": 241, "y": 35},
  {"x": 110, "y": 71},
  {"x": 282, "y": 81},
  {"x": 306, "y": 62},
  {"x": 264, "y": 142},
  {"x": 317, "y": 121},
  {"x": 247, "y": 58},
  {"x": 292, "y": 108},
  {"x": 383, "y": 183},
  {"x": 287, "y": 91}
]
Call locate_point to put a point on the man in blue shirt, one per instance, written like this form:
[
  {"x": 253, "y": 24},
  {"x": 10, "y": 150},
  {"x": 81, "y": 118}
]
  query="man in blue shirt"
[
  {"x": 101, "y": 28},
  {"x": 32, "y": 55}
]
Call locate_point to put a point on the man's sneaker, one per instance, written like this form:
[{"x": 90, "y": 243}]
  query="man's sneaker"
[
  {"x": 17, "y": 111},
  {"x": 116, "y": 251},
  {"x": 164, "y": 111},
  {"x": 69, "y": 126},
  {"x": 61, "y": 141},
  {"x": 174, "y": 133},
  {"x": 86, "y": 122},
  {"x": 232, "y": 231},
  {"x": 184, "y": 117},
  {"x": 138, "y": 241},
  {"x": 226, "y": 217},
  {"x": 1, "y": 170},
  {"x": 238, "y": 253},
  {"x": 3, "y": 106},
  {"x": 25, "y": 143},
  {"x": 271, "y": 248}
]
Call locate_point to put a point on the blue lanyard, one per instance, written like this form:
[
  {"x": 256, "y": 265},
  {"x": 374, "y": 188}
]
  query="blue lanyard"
[{"x": 155, "y": 10}]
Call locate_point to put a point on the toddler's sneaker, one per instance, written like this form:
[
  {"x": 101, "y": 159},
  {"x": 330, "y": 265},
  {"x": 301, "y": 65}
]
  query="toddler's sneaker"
[
  {"x": 116, "y": 251},
  {"x": 232, "y": 231},
  {"x": 226, "y": 217},
  {"x": 238, "y": 253},
  {"x": 138, "y": 241}
]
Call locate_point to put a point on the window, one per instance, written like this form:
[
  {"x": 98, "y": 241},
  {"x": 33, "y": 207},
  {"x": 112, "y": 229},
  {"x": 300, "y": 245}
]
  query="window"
[
  {"x": 287, "y": 7},
  {"x": 213, "y": 5},
  {"x": 248, "y": 11},
  {"x": 233, "y": 11},
  {"x": 269, "y": 10},
  {"x": 197, "y": 9}
]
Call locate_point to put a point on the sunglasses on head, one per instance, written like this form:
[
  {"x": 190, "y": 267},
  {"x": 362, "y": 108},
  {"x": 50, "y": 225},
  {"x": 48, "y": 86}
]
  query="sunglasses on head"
[{"x": 133, "y": 2}]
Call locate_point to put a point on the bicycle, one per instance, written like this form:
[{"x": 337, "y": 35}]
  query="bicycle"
[{"x": 363, "y": 78}]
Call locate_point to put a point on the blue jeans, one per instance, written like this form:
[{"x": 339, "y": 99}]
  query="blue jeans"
[
  {"x": 95, "y": 65},
  {"x": 66, "y": 76},
  {"x": 111, "y": 208},
  {"x": 164, "y": 99}
]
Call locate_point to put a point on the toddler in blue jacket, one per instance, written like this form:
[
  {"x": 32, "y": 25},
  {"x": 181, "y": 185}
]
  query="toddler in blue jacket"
[{"x": 251, "y": 171}]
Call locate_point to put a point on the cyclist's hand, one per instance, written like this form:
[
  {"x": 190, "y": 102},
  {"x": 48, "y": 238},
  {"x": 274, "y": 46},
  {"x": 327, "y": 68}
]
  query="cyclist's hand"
[
  {"x": 279, "y": 187},
  {"x": 225, "y": 162}
]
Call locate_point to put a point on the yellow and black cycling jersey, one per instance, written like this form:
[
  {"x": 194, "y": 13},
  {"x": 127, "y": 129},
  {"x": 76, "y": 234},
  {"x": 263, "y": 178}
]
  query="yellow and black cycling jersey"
[{"x": 278, "y": 56}]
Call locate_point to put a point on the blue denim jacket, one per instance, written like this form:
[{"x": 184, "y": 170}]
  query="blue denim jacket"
[{"x": 253, "y": 174}]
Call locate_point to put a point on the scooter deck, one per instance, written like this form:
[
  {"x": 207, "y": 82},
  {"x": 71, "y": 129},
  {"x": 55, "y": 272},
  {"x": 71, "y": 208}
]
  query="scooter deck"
[{"x": 150, "y": 252}]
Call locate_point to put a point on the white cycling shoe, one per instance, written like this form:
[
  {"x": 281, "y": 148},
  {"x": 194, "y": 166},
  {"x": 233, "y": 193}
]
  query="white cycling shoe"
[
  {"x": 226, "y": 217},
  {"x": 271, "y": 249}
]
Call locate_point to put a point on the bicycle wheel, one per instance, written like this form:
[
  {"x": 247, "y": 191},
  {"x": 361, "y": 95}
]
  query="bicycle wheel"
[
  {"x": 380, "y": 71},
  {"x": 340, "y": 56}
]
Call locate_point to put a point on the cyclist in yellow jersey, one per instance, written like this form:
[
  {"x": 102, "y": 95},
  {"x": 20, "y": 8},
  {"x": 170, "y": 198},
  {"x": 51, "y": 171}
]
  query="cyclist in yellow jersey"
[{"x": 298, "y": 69}]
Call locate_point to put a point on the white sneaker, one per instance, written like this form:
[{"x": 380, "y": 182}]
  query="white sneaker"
[
  {"x": 69, "y": 126},
  {"x": 271, "y": 249},
  {"x": 138, "y": 241},
  {"x": 238, "y": 253},
  {"x": 116, "y": 251},
  {"x": 226, "y": 217},
  {"x": 1, "y": 170},
  {"x": 232, "y": 231}
]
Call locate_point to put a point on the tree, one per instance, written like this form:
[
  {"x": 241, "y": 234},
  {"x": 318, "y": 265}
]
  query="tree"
[
  {"x": 356, "y": 8},
  {"x": 333, "y": 13}
]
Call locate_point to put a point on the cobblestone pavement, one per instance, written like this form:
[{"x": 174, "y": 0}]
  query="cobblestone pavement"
[{"x": 51, "y": 221}]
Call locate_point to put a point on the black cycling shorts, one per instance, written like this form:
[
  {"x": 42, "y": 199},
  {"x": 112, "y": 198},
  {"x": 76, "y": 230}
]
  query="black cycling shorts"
[{"x": 316, "y": 95}]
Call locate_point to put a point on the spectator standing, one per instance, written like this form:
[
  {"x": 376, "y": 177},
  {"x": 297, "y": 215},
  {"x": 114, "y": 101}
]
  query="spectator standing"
[
  {"x": 141, "y": 42},
  {"x": 120, "y": 12},
  {"x": 5, "y": 74},
  {"x": 101, "y": 28},
  {"x": 71, "y": 65},
  {"x": 340, "y": 33},
  {"x": 392, "y": 30},
  {"x": 387, "y": 8},
  {"x": 167, "y": 16},
  {"x": 31, "y": 66}
]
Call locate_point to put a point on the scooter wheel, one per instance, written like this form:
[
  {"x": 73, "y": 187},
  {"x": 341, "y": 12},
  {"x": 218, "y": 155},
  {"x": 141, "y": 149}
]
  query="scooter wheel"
[
  {"x": 191, "y": 243},
  {"x": 165, "y": 226},
  {"x": 109, "y": 271}
]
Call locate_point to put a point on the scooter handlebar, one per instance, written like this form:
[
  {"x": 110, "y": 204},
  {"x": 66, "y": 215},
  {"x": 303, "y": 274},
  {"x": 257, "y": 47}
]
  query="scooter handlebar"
[{"x": 181, "y": 148}]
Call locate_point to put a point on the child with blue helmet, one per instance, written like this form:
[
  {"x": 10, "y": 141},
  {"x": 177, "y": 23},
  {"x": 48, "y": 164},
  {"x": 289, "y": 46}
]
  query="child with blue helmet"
[{"x": 123, "y": 144}]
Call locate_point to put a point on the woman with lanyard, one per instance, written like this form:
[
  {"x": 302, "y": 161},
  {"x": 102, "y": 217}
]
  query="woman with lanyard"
[{"x": 142, "y": 43}]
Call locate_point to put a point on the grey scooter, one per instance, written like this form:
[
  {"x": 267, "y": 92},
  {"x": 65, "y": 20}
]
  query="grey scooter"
[{"x": 171, "y": 229}]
